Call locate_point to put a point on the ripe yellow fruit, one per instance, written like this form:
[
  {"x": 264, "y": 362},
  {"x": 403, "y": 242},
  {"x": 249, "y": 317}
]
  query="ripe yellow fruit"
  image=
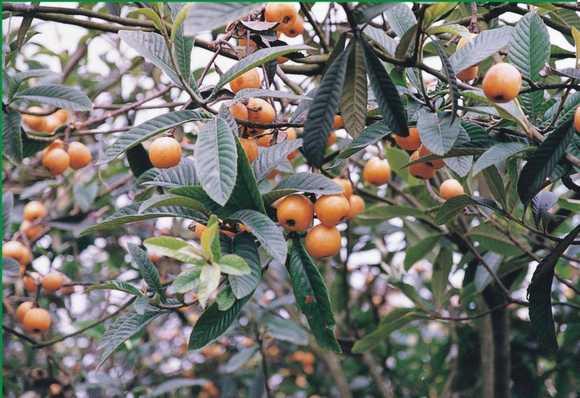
[
  {"x": 377, "y": 171},
  {"x": 17, "y": 251},
  {"x": 56, "y": 161},
  {"x": 198, "y": 230},
  {"x": 260, "y": 111},
  {"x": 265, "y": 140},
  {"x": 52, "y": 281},
  {"x": 250, "y": 148},
  {"x": 23, "y": 309},
  {"x": 424, "y": 152},
  {"x": 411, "y": 142},
  {"x": 295, "y": 213},
  {"x": 338, "y": 122},
  {"x": 357, "y": 206},
  {"x": 250, "y": 79},
  {"x": 165, "y": 152},
  {"x": 331, "y": 209},
  {"x": 30, "y": 230},
  {"x": 296, "y": 28},
  {"x": 470, "y": 73},
  {"x": 322, "y": 241},
  {"x": 29, "y": 283},
  {"x": 577, "y": 119},
  {"x": 37, "y": 320},
  {"x": 61, "y": 116},
  {"x": 284, "y": 13},
  {"x": 33, "y": 122},
  {"x": 421, "y": 170},
  {"x": 292, "y": 135},
  {"x": 239, "y": 111},
  {"x": 502, "y": 82},
  {"x": 450, "y": 188},
  {"x": 34, "y": 210},
  {"x": 331, "y": 140},
  {"x": 79, "y": 154},
  {"x": 346, "y": 186}
]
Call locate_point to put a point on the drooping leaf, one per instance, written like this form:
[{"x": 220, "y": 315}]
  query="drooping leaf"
[
  {"x": 138, "y": 160},
  {"x": 147, "y": 269},
  {"x": 285, "y": 330},
  {"x": 18, "y": 78},
  {"x": 440, "y": 277},
  {"x": 239, "y": 359},
  {"x": 312, "y": 296},
  {"x": 541, "y": 205},
  {"x": 437, "y": 11},
  {"x": 543, "y": 161},
  {"x": 216, "y": 159},
  {"x": 437, "y": 131},
  {"x": 213, "y": 323},
  {"x": 400, "y": 18},
  {"x": 484, "y": 45},
  {"x": 209, "y": 280},
  {"x": 56, "y": 95},
  {"x": 7, "y": 208},
  {"x": 420, "y": 250},
  {"x": 495, "y": 184},
  {"x": 366, "y": 12},
  {"x": 152, "y": 47},
  {"x": 186, "y": 281},
  {"x": 368, "y": 136},
  {"x": 210, "y": 240},
  {"x": 450, "y": 75},
  {"x": 324, "y": 106},
  {"x": 497, "y": 154},
  {"x": 172, "y": 200},
  {"x": 388, "y": 98},
  {"x": 272, "y": 156},
  {"x": 202, "y": 17},
  {"x": 245, "y": 247},
  {"x": 303, "y": 182},
  {"x": 149, "y": 129},
  {"x": 268, "y": 233},
  {"x": 181, "y": 175},
  {"x": 452, "y": 206},
  {"x": 175, "y": 248},
  {"x": 116, "y": 285},
  {"x": 233, "y": 264},
  {"x": 353, "y": 102},
  {"x": 183, "y": 46},
  {"x": 387, "y": 43},
  {"x": 257, "y": 58},
  {"x": 539, "y": 295},
  {"x": 12, "y": 135}
]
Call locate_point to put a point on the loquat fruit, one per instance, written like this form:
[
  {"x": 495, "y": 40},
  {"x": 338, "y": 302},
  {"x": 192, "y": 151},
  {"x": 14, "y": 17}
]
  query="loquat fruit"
[
  {"x": 357, "y": 206},
  {"x": 33, "y": 122},
  {"x": 165, "y": 152},
  {"x": 322, "y": 241},
  {"x": 17, "y": 251},
  {"x": 239, "y": 111},
  {"x": 260, "y": 111},
  {"x": 31, "y": 230},
  {"x": 420, "y": 170},
  {"x": 198, "y": 230},
  {"x": 577, "y": 119},
  {"x": 338, "y": 122},
  {"x": 331, "y": 140},
  {"x": 284, "y": 13},
  {"x": 411, "y": 142},
  {"x": 61, "y": 116},
  {"x": 470, "y": 73},
  {"x": 296, "y": 28},
  {"x": 23, "y": 309},
  {"x": 295, "y": 213},
  {"x": 34, "y": 210},
  {"x": 249, "y": 79},
  {"x": 450, "y": 188},
  {"x": 29, "y": 283},
  {"x": 331, "y": 209},
  {"x": 79, "y": 154},
  {"x": 424, "y": 152},
  {"x": 37, "y": 320},
  {"x": 502, "y": 82},
  {"x": 52, "y": 281},
  {"x": 56, "y": 161},
  {"x": 265, "y": 140},
  {"x": 346, "y": 186},
  {"x": 250, "y": 148},
  {"x": 377, "y": 171}
]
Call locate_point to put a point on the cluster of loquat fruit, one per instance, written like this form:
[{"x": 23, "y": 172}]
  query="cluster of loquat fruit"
[
  {"x": 57, "y": 157},
  {"x": 32, "y": 318}
]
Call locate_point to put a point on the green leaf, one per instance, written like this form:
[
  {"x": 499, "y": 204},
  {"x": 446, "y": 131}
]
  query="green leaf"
[
  {"x": 540, "y": 298},
  {"x": 12, "y": 135},
  {"x": 216, "y": 159},
  {"x": 116, "y": 285},
  {"x": 210, "y": 240},
  {"x": 436, "y": 11},
  {"x": 225, "y": 299},
  {"x": 56, "y": 95},
  {"x": 181, "y": 175},
  {"x": 197, "y": 193},
  {"x": 255, "y": 59},
  {"x": 85, "y": 195},
  {"x": 384, "y": 41},
  {"x": 399, "y": 159},
  {"x": 440, "y": 277},
  {"x": 312, "y": 296},
  {"x": 150, "y": 15},
  {"x": 7, "y": 209},
  {"x": 543, "y": 161},
  {"x": 450, "y": 75},
  {"x": 203, "y": 17},
  {"x": 152, "y": 47},
  {"x": 285, "y": 330},
  {"x": 322, "y": 110},
  {"x": 209, "y": 280},
  {"x": 386, "y": 212},
  {"x": 353, "y": 103},
  {"x": 368, "y": 136},
  {"x": 171, "y": 200},
  {"x": 20, "y": 77},
  {"x": 437, "y": 132},
  {"x": 484, "y": 45},
  {"x": 497, "y": 154},
  {"x": 186, "y": 281},
  {"x": 390, "y": 103},
  {"x": 130, "y": 214},
  {"x": 138, "y": 160},
  {"x": 150, "y": 129},
  {"x": 529, "y": 47},
  {"x": 175, "y": 248},
  {"x": 303, "y": 182},
  {"x": 395, "y": 320},
  {"x": 407, "y": 43},
  {"x": 262, "y": 93},
  {"x": 178, "y": 20},
  {"x": 420, "y": 250},
  {"x": 245, "y": 247},
  {"x": 495, "y": 184},
  {"x": 182, "y": 47},
  {"x": 213, "y": 323},
  {"x": 452, "y": 206},
  {"x": 147, "y": 270},
  {"x": 366, "y": 12},
  {"x": 268, "y": 233},
  {"x": 239, "y": 359},
  {"x": 233, "y": 264},
  {"x": 272, "y": 156},
  {"x": 123, "y": 328},
  {"x": 400, "y": 18}
]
